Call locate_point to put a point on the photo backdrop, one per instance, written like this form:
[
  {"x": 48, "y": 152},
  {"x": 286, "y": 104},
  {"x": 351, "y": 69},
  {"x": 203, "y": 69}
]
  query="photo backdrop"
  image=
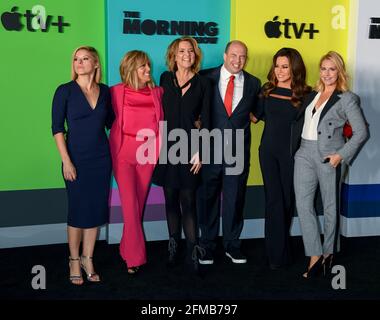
[{"x": 36, "y": 58}]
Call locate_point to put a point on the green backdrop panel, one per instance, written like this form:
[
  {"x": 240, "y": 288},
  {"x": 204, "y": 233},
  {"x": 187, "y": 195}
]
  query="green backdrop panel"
[{"x": 33, "y": 64}]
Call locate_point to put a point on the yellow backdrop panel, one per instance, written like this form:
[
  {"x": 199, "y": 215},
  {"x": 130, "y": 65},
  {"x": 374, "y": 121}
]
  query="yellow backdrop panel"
[{"x": 268, "y": 26}]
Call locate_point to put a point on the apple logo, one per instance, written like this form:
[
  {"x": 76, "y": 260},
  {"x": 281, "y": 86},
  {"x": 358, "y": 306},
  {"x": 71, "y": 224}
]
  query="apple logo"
[
  {"x": 11, "y": 20},
  {"x": 272, "y": 28}
]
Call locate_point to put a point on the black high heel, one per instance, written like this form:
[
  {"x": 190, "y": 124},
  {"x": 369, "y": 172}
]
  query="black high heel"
[
  {"x": 133, "y": 270},
  {"x": 173, "y": 252},
  {"x": 197, "y": 252},
  {"x": 315, "y": 270},
  {"x": 327, "y": 264}
]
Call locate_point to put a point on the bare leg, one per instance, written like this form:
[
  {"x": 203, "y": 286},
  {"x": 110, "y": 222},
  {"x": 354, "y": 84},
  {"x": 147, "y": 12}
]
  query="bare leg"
[
  {"x": 89, "y": 238},
  {"x": 74, "y": 236}
]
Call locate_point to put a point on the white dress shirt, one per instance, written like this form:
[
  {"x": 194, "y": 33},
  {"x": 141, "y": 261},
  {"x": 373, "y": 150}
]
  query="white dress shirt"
[
  {"x": 310, "y": 126},
  {"x": 238, "y": 85}
]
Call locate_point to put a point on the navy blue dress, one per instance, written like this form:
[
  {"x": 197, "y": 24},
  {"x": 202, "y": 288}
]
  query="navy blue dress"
[{"x": 87, "y": 145}]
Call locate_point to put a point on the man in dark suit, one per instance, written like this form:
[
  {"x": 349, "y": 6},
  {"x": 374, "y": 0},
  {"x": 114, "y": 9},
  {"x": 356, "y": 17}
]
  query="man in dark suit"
[{"x": 234, "y": 96}]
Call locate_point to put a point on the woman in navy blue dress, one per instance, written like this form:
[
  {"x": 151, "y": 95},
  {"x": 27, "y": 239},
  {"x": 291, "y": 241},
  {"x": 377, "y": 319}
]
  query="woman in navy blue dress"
[{"x": 84, "y": 104}]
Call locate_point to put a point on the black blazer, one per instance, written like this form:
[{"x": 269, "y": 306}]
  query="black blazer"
[{"x": 239, "y": 118}]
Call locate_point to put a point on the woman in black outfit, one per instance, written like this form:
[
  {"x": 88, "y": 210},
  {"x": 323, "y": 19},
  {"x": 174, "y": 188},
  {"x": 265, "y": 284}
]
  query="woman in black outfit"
[
  {"x": 279, "y": 101},
  {"x": 185, "y": 101}
]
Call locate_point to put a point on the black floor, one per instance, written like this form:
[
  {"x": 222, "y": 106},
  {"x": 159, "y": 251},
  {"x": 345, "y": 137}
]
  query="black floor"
[{"x": 222, "y": 281}]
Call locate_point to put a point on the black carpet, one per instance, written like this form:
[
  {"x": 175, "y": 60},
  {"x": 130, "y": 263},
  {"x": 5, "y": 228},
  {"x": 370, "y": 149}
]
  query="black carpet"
[{"x": 221, "y": 281}]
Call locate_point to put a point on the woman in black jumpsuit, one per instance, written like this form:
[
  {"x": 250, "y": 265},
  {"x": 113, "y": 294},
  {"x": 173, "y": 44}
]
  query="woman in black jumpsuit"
[{"x": 278, "y": 106}]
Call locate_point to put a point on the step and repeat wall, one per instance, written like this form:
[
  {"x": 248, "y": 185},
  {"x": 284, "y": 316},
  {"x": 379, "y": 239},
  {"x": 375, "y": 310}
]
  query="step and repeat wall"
[
  {"x": 38, "y": 38},
  {"x": 362, "y": 194}
]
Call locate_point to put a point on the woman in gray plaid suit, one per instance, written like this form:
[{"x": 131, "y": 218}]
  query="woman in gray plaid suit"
[{"x": 322, "y": 158}]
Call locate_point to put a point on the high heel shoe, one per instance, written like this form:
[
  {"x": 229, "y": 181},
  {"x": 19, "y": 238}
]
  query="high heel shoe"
[
  {"x": 197, "y": 253},
  {"x": 91, "y": 277},
  {"x": 173, "y": 252},
  {"x": 315, "y": 270},
  {"x": 75, "y": 279},
  {"x": 133, "y": 270},
  {"x": 327, "y": 264}
]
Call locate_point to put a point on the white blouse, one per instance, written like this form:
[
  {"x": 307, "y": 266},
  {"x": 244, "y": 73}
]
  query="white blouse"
[{"x": 310, "y": 126}]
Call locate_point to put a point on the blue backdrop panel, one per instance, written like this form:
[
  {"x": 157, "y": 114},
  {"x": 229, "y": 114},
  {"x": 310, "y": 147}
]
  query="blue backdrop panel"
[{"x": 207, "y": 20}]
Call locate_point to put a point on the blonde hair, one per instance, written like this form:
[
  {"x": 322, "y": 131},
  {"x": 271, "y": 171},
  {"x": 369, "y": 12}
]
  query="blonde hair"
[
  {"x": 342, "y": 81},
  {"x": 131, "y": 61},
  {"x": 172, "y": 51},
  {"x": 94, "y": 53}
]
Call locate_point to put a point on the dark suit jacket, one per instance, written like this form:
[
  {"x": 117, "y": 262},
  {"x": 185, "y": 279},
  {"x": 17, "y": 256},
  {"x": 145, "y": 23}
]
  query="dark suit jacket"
[{"x": 239, "y": 118}]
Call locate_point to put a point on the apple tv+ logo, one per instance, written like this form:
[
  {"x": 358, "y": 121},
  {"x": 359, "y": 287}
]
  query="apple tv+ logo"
[
  {"x": 36, "y": 19},
  {"x": 273, "y": 29}
]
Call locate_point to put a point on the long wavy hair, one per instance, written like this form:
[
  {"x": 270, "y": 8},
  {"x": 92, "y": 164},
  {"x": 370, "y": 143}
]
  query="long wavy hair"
[
  {"x": 342, "y": 81},
  {"x": 297, "y": 74}
]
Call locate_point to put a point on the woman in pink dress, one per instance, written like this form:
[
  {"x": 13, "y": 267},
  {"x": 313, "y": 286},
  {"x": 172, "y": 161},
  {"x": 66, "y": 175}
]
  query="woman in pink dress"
[{"x": 134, "y": 147}]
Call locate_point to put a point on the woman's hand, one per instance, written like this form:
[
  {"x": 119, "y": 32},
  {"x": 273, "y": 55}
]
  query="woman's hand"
[
  {"x": 253, "y": 118},
  {"x": 197, "y": 164},
  {"x": 335, "y": 159},
  {"x": 198, "y": 123},
  {"x": 69, "y": 171}
]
